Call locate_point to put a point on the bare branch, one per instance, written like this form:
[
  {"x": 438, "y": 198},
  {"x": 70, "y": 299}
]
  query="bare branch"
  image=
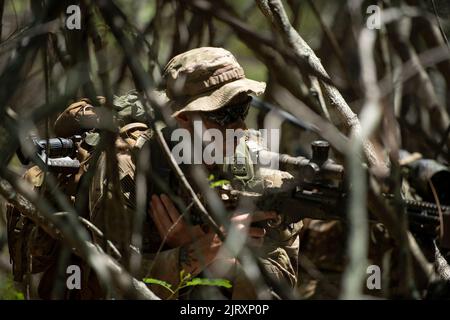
[{"x": 275, "y": 13}]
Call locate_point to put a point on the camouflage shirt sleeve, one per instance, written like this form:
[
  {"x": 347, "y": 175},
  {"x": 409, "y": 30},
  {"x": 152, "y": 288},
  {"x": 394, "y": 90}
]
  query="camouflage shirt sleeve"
[
  {"x": 280, "y": 256},
  {"x": 281, "y": 245}
]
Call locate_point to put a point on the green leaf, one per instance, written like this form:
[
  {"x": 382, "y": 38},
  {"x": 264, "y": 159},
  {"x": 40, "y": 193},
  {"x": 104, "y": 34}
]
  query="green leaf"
[
  {"x": 166, "y": 285},
  {"x": 219, "y": 183},
  {"x": 19, "y": 296},
  {"x": 209, "y": 282},
  {"x": 8, "y": 290},
  {"x": 184, "y": 276}
]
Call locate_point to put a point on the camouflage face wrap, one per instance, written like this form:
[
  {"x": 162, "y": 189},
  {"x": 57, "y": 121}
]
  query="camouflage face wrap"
[
  {"x": 206, "y": 79},
  {"x": 130, "y": 108}
]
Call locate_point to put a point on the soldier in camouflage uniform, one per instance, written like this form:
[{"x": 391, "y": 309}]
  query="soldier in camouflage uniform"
[
  {"x": 34, "y": 253},
  {"x": 210, "y": 84}
]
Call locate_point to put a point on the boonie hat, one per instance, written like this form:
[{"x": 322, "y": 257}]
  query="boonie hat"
[{"x": 206, "y": 79}]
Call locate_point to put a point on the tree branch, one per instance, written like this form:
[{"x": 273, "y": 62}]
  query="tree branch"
[{"x": 275, "y": 13}]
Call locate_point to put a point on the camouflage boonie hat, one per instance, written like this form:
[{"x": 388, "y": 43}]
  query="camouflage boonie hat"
[{"x": 206, "y": 79}]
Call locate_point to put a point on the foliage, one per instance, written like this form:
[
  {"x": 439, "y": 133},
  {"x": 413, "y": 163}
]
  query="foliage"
[
  {"x": 7, "y": 289},
  {"x": 186, "y": 280},
  {"x": 217, "y": 183}
]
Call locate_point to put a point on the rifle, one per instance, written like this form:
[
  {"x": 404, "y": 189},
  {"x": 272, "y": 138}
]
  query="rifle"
[{"x": 318, "y": 190}]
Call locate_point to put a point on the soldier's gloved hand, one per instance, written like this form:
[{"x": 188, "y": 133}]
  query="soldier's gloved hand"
[
  {"x": 209, "y": 250},
  {"x": 171, "y": 226},
  {"x": 240, "y": 227},
  {"x": 255, "y": 235}
]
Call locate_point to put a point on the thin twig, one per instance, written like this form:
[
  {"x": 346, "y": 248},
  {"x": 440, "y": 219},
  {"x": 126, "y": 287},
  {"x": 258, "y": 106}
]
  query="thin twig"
[{"x": 438, "y": 21}]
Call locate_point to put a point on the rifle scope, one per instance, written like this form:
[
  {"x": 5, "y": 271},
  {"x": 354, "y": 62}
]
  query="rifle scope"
[{"x": 55, "y": 147}]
